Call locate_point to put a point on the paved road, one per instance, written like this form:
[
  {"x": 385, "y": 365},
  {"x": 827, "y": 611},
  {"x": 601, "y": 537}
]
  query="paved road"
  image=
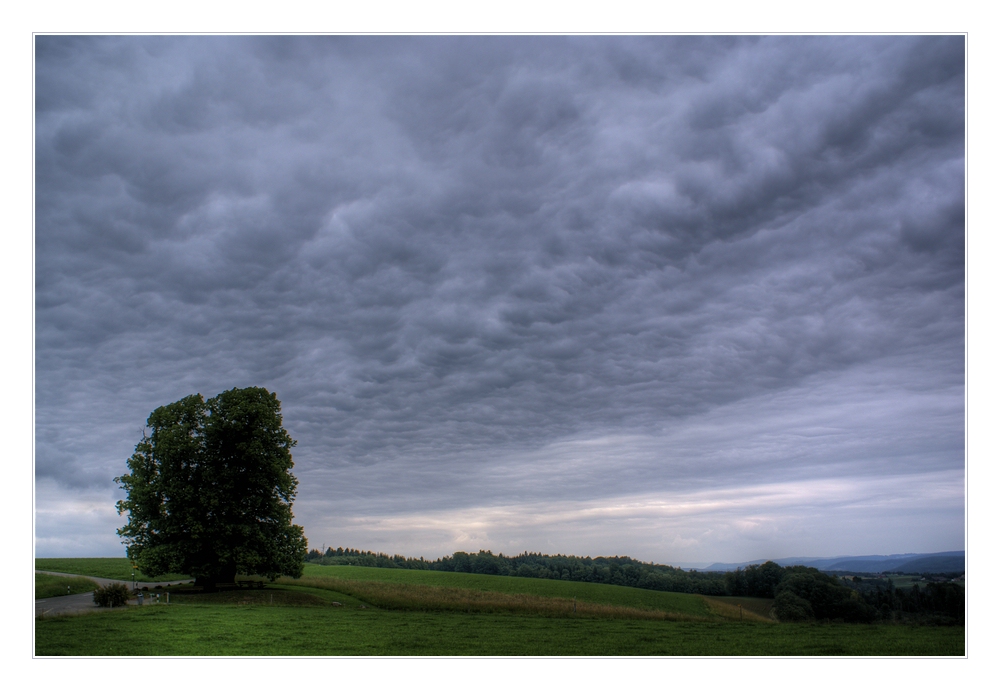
[{"x": 84, "y": 602}]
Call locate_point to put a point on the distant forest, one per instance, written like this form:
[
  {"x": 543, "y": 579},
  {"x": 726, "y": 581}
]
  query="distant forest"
[
  {"x": 611, "y": 570},
  {"x": 800, "y": 593}
]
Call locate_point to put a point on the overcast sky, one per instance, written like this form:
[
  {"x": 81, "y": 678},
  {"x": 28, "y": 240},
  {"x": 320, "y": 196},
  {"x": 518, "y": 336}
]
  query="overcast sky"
[{"x": 689, "y": 299}]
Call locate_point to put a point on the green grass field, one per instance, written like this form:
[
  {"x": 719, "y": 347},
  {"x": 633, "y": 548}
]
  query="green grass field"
[
  {"x": 341, "y": 578},
  {"x": 53, "y": 586},
  {"x": 338, "y": 610},
  {"x": 758, "y": 606},
  {"x": 325, "y": 630},
  {"x": 101, "y": 567}
]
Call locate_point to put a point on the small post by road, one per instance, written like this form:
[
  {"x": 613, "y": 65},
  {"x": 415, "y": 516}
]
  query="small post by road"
[
  {"x": 741, "y": 612},
  {"x": 168, "y": 597}
]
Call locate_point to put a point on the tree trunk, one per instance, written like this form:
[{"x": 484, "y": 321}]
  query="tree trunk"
[
  {"x": 224, "y": 575},
  {"x": 227, "y": 574}
]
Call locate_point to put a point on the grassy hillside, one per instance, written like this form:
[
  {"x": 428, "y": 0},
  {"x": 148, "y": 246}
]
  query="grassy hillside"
[
  {"x": 54, "y": 586},
  {"x": 364, "y": 581},
  {"x": 100, "y": 567},
  {"x": 758, "y": 606}
]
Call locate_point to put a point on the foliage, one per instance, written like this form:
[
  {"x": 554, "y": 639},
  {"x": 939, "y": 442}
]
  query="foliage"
[
  {"x": 111, "y": 595},
  {"x": 803, "y": 593},
  {"x": 827, "y": 598},
  {"x": 47, "y": 585},
  {"x": 210, "y": 490},
  {"x": 756, "y": 580},
  {"x": 790, "y": 607},
  {"x": 935, "y": 603}
]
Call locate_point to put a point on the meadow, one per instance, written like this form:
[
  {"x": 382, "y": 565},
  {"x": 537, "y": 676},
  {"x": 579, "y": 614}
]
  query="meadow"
[
  {"x": 118, "y": 568},
  {"x": 345, "y": 610},
  {"x": 53, "y": 586},
  {"x": 443, "y": 590}
]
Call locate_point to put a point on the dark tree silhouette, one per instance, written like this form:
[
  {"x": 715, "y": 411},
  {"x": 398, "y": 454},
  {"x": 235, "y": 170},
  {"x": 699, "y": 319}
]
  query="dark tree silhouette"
[{"x": 210, "y": 490}]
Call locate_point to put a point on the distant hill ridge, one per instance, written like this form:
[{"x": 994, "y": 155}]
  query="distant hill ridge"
[{"x": 937, "y": 562}]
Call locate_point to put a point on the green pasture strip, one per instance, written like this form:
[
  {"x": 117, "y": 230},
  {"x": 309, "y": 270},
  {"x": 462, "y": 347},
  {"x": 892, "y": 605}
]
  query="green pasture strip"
[
  {"x": 597, "y": 593},
  {"x": 330, "y": 596},
  {"x": 118, "y": 568},
  {"x": 54, "y": 586},
  {"x": 260, "y": 630},
  {"x": 429, "y": 598},
  {"x": 759, "y": 606},
  {"x": 271, "y": 595}
]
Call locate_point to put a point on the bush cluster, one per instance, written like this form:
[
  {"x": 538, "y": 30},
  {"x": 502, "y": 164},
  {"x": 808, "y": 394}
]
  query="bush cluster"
[{"x": 111, "y": 595}]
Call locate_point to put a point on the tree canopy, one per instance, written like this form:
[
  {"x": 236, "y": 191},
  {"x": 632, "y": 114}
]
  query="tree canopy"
[{"x": 210, "y": 490}]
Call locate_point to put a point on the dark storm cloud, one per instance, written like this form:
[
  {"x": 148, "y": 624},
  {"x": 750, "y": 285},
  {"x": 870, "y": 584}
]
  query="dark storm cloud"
[{"x": 447, "y": 254}]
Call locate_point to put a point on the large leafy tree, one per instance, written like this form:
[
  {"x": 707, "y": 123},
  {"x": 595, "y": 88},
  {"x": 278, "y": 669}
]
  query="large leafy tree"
[{"x": 210, "y": 490}]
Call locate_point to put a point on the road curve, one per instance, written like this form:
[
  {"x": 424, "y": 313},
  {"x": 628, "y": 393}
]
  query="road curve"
[{"x": 84, "y": 602}]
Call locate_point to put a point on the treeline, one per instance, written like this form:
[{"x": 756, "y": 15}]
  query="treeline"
[
  {"x": 934, "y": 603},
  {"x": 609, "y": 570},
  {"x": 357, "y": 557},
  {"x": 803, "y": 593}
]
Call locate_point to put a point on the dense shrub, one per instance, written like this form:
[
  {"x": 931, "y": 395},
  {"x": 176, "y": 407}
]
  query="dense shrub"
[
  {"x": 756, "y": 580},
  {"x": 790, "y": 607},
  {"x": 111, "y": 595},
  {"x": 827, "y": 598}
]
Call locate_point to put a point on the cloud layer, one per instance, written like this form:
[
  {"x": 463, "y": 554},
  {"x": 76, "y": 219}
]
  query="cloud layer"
[{"x": 487, "y": 272}]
